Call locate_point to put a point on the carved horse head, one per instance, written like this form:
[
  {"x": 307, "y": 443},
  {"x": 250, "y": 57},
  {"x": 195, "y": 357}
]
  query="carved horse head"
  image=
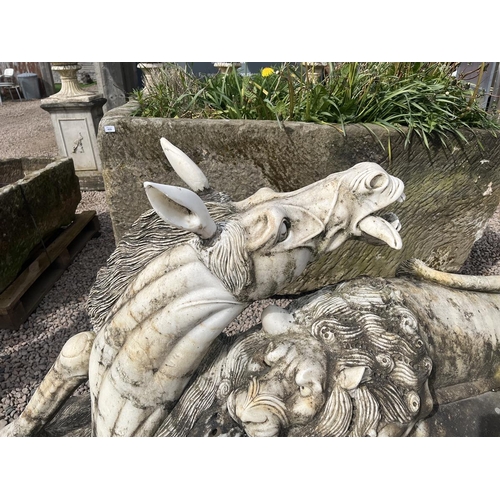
[{"x": 283, "y": 232}]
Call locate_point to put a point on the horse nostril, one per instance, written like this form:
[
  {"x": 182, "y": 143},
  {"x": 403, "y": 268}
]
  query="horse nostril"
[{"x": 378, "y": 181}]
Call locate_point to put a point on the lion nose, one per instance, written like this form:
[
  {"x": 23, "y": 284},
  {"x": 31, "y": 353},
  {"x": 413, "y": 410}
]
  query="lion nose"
[
  {"x": 253, "y": 416},
  {"x": 241, "y": 408}
]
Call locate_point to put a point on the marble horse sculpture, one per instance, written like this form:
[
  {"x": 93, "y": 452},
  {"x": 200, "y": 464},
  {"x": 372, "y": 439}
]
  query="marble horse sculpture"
[{"x": 185, "y": 270}]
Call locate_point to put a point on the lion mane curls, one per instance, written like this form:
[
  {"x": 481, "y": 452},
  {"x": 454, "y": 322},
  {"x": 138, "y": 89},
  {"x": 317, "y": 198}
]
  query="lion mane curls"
[{"x": 364, "y": 323}]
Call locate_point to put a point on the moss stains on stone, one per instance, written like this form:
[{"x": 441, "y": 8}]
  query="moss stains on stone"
[{"x": 31, "y": 209}]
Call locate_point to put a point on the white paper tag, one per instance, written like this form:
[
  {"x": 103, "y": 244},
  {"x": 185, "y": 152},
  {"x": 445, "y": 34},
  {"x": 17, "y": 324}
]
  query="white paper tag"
[{"x": 109, "y": 128}]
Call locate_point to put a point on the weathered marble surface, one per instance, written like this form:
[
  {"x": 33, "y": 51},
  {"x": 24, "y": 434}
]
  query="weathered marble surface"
[
  {"x": 184, "y": 272},
  {"x": 368, "y": 357}
]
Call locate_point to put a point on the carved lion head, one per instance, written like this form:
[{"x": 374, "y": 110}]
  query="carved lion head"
[{"x": 346, "y": 361}]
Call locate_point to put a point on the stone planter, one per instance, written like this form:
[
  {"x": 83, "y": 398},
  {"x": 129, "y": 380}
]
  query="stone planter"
[
  {"x": 451, "y": 192},
  {"x": 33, "y": 205}
]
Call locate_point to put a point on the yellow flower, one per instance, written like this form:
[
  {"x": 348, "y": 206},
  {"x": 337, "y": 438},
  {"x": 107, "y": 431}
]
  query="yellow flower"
[{"x": 267, "y": 72}]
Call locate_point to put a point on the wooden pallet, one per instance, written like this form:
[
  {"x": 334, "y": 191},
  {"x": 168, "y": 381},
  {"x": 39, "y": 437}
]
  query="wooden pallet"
[{"x": 22, "y": 296}]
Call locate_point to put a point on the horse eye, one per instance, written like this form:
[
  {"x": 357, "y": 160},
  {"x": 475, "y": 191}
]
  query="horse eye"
[{"x": 283, "y": 230}]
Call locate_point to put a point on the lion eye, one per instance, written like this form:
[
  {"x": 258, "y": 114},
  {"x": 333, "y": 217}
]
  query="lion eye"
[
  {"x": 283, "y": 231},
  {"x": 305, "y": 391}
]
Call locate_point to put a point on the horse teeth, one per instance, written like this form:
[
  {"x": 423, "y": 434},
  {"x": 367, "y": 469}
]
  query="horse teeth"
[{"x": 396, "y": 225}]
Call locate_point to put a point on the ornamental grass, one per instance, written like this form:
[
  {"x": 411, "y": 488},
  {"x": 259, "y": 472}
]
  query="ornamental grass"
[{"x": 422, "y": 98}]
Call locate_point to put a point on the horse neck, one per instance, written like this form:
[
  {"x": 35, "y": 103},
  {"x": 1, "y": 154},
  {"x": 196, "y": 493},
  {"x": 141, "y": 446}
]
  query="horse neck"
[{"x": 176, "y": 301}]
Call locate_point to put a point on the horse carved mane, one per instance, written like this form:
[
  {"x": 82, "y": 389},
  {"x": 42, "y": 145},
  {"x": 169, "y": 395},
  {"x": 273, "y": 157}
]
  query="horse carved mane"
[{"x": 133, "y": 253}]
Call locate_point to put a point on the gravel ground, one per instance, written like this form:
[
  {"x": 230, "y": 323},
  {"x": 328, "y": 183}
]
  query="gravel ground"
[
  {"x": 27, "y": 353},
  {"x": 26, "y": 130}
]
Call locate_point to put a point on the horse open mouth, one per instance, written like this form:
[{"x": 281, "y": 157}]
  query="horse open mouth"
[{"x": 383, "y": 229}]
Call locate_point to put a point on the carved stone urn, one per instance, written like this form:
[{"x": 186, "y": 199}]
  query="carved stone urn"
[{"x": 70, "y": 88}]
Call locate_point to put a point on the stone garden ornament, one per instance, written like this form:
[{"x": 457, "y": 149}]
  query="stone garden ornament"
[{"x": 185, "y": 270}]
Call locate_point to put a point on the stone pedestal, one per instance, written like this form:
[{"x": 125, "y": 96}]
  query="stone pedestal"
[
  {"x": 75, "y": 125},
  {"x": 75, "y": 115},
  {"x": 315, "y": 70}
]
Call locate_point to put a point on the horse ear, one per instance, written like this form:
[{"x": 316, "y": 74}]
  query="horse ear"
[
  {"x": 182, "y": 208},
  {"x": 186, "y": 168}
]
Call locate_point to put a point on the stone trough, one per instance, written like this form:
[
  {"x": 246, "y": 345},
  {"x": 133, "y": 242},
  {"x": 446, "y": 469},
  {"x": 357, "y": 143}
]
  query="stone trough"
[
  {"x": 37, "y": 210},
  {"x": 451, "y": 192}
]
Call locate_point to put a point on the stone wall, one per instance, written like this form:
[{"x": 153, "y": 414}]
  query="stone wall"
[{"x": 451, "y": 192}]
